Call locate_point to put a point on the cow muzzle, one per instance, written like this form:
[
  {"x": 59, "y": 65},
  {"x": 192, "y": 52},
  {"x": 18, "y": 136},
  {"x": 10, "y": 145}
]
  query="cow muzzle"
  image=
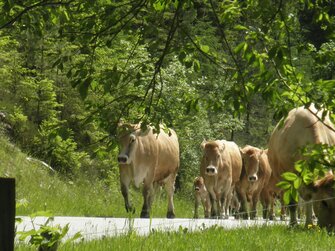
[
  {"x": 211, "y": 170},
  {"x": 123, "y": 159},
  {"x": 253, "y": 178},
  {"x": 196, "y": 189}
]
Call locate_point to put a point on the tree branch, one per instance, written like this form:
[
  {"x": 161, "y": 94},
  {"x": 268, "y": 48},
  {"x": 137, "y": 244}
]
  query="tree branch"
[
  {"x": 159, "y": 63},
  {"x": 31, "y": 7}
]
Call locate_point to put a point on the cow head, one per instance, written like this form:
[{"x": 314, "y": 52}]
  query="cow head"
[
  {"x": 251, "y": 156},
  {"x": 324, "y": 201},
  {"x": 127, "y": 136},
  {"x": 212, "y": 156},
  {"x": 198, "y": 184}
]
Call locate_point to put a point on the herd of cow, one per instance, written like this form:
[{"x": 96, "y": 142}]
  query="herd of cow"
[{"x": 231, "y": 177}]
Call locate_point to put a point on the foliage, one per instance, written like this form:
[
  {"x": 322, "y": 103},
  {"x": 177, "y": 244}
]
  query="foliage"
[
  {"x": 316, "y": 161},
  {"x": 47, "y": 237}
]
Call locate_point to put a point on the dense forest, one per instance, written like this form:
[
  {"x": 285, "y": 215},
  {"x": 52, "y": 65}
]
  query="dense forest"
[{"x": 70, "y": 70}]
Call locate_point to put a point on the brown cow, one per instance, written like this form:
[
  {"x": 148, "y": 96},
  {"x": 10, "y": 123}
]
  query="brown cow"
[
  {"x": 301, "y": 127},
  {"x": 255, "y": 177},
  {"x": 201, "y": 196},
  {"x": 148, "y": 158},
  {"x": 221, "y": 167}
]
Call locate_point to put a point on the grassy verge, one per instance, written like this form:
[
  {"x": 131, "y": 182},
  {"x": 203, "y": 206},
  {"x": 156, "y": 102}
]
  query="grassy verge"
[{"x": 256, "y": 238}]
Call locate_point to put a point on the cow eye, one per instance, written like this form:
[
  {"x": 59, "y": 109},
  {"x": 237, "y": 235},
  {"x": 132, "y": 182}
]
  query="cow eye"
[{"x": 132, "y": 138}]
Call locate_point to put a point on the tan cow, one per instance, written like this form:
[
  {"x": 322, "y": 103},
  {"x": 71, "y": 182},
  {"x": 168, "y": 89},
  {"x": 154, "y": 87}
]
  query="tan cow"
[
  {"x": 150, "y": 159},
  {"x": 201, "y": 196},
  {"x": 255, "y": 178},
  {"x": 302, "y": 126},
  {"x": 221, "y": 167}
]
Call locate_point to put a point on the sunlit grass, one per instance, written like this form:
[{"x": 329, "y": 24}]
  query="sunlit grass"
[{"x": 215, "y": 238}]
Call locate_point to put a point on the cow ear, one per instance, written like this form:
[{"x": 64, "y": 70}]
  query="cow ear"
[
  {"x": 203, "y": 144},
  {"x": 242, "y": 151},
  {"x": 222, "y": 146}
]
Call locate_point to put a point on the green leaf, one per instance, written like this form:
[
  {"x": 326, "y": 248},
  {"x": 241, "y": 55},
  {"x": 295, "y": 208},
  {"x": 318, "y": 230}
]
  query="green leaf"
[
  {"x": 308, "y": 178},
  {"x": 284, "y": 185},
  {"x": 239, "y": 47},
  {"x": 240, "y": 27},
  {"x": 297, "y": 183},
  {"x": 204, "y": 48},
  {"x": 289, "y": 176},
  {"x": 294, "y": 194},
  {"x": 287, "y": 197},
  {"x": 298, "y": 166}
]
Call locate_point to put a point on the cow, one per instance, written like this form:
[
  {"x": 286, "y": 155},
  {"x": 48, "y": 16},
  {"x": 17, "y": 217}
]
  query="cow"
[
  {"x": 201, "y": 196},
  {"x": 149, "y": 158},
  {"x": 302, "y": 126},
  {"x": 269, "y": 195},
  {"x": 221, "y": 166},
  {"x": 256, "y": 175},
  {"x": 324, "y": 202}
]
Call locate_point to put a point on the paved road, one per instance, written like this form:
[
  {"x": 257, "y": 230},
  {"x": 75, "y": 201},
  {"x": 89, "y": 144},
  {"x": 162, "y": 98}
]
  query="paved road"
[{"x": 95, "y": 227}]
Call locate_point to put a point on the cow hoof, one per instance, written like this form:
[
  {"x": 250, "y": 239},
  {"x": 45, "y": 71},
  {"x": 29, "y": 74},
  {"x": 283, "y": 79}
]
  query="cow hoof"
[
  {"x": 145, "y": 215},
  {"x": 170, "y": 215}
]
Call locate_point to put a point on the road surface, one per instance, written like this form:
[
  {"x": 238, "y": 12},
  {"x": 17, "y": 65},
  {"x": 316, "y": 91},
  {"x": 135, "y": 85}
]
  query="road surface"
[{"x": 96, "y": 228}]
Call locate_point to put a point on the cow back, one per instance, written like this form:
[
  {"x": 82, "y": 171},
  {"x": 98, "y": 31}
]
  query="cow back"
[{"x": 301, "y": 127}]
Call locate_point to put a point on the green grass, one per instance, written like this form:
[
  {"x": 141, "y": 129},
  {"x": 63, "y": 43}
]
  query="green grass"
[{"x": 255, "y": 238}]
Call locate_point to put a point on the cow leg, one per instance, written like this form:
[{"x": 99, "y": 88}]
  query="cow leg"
[
  {"x": 197, "y": 201},
  {"x": 227, "y": 203},
  {"x": 207, "y": 206},
  {"x": 169, "y": 187},
  {"x": 148, "y": 193},
  {"x": 125, "y": 182},
  {"x": 212, "y": 198},
  {"x": 241, "y": 195},
  {"x": 266, "y": 205},
  {"x": 293, "y": 213},
  {"x": 255, "y": 199},
  {"x": 283, "y": 209},
  {"x": 219, "y": 205},
  {"x": 309, "y": 214}
]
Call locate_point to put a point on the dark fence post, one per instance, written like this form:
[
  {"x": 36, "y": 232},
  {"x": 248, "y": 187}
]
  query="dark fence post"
[{"x": 7, "y": 213}]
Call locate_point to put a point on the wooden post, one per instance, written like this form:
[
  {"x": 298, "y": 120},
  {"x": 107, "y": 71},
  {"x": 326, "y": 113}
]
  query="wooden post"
[{"x": 7, "y": 213}]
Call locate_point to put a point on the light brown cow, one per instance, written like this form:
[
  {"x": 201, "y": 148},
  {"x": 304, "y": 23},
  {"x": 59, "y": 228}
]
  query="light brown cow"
[
  {"x": 150, "y": 159},
  {"x": 201, "y": 196},
  {"x": 301, "y": 127},
  {"x": 255, "y": 178},
  {"x": 221, "y": 167}
]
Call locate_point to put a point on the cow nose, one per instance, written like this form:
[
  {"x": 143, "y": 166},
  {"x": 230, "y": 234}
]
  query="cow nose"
[
  {"x": 252, "y": 178},
  {"x": 210, "y": 170},
  {"x": 122, "y": 159}
]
